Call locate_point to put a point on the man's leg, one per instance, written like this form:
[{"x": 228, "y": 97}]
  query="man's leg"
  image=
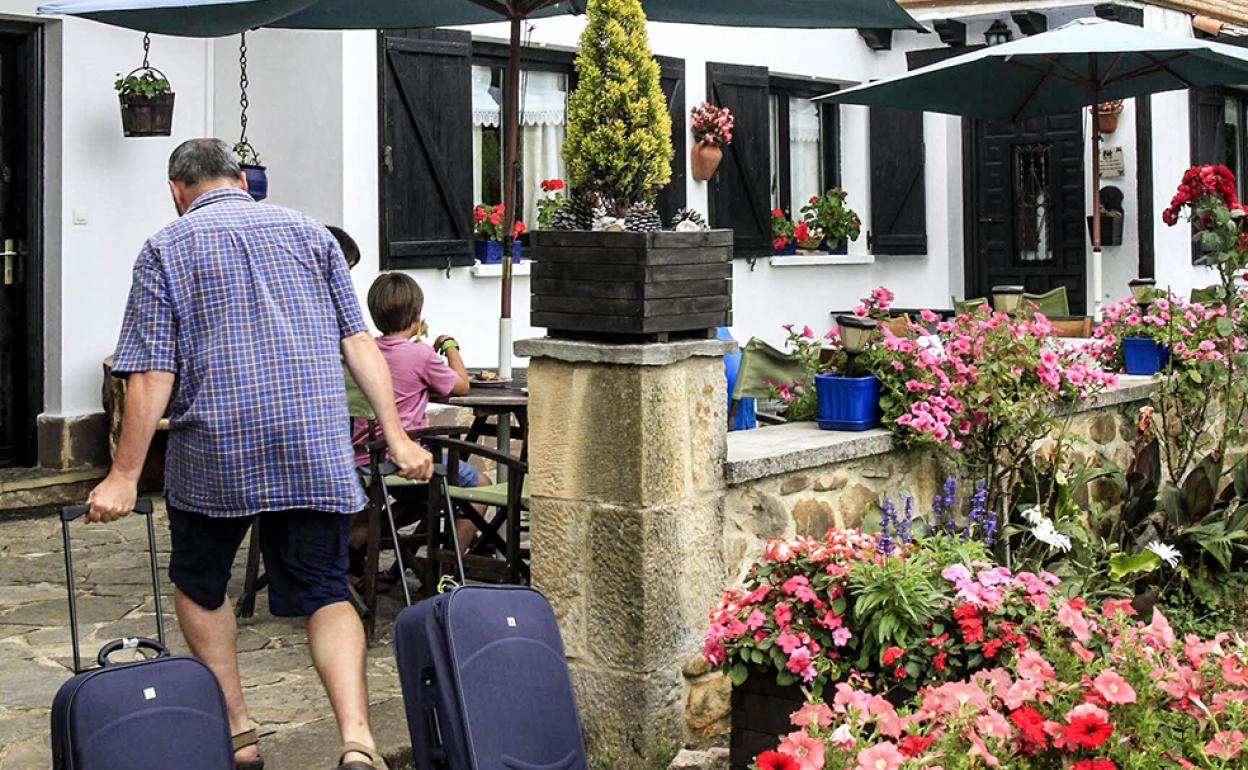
[
  {"x": 336, "y": 638},
  {"x": 212, "y": 636}
]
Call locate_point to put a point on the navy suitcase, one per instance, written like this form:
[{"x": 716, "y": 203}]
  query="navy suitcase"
[
  {"x": 485, "y": 681},
  {"x": 163, "y": 713}
]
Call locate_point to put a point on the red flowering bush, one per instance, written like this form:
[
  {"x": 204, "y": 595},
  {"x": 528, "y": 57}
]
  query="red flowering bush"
[
  {"x": 711, "y": 124},
  {"x": 781, "y": 229},
  {"x": 1095, "y": 691},
  {"x": 488, "y": 222}
]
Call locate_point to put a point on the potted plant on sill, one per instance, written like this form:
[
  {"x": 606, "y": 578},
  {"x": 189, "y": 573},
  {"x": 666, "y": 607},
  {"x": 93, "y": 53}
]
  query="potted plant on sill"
[
  {"x": 255, "y": 171},
  {"x": 146, "y": 100},
  {"x": 712, "y": 131},
  {"x": 488, "y": 228},
  {"x": 1111, "y": 227},
  {"x": 1142, "y": 327},
  {"x": 783, "y": 237},
  {"x": 849, "y": 399},
  {"x": 608, "y": 270},
  {"x": 828, "y": 214}
]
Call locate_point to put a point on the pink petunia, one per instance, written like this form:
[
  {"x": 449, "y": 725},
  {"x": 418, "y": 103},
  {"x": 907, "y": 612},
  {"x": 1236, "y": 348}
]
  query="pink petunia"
[
  {"x": 803, "y": 747},
  {"x": 1113, "y": 688},
  {"x": 883, "y": 756}
]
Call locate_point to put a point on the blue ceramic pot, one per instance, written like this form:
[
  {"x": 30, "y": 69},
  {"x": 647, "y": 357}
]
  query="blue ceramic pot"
[
  {"x": 257, "y": 181},
  {"x": 1144, "y": 355},
  {"x": 788, "y": 249},
  {"x": 491, "y": 252},
  {"x": 847, "y": 403},
  {"x": 842, "y": 247}
]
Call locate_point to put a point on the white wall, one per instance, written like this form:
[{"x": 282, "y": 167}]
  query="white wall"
[{"x": 116, "y": 184}]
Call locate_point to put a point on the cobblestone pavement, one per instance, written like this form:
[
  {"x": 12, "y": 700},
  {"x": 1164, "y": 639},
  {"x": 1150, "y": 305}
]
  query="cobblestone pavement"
[{"x": 282, "y": 688}]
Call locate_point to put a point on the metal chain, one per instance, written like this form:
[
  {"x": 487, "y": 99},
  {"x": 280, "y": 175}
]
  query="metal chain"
[
  {"x": 242, "y": 85},
  {"x": 147, "y": 45}
]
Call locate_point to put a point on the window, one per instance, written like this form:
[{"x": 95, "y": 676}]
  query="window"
[
  {"x": 804, "y": 161},
  {"x": 543, "y": 127},
  {"x": 1236, "y": 142}
]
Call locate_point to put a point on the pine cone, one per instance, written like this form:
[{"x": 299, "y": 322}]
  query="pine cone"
[
  {"x": 642, "y": 217},
  {"x": 691, "y": 216},
  {"x": 578, "y": 213}
]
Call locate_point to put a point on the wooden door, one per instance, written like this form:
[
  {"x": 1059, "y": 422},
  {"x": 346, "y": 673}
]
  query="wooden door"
[{"x": 1026, "y": 208}]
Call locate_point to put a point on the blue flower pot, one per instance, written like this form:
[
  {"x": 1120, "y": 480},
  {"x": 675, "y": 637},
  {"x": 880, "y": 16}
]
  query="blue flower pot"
[
  {"x": 257, "y": 181},
  {"x": 847, "y": 403},
  {"x": 491, "y": 252},
  {"x": 788, "y": 249},
  {"x": 1144, "y": 355},
  {"x": 842, "y": 247}
]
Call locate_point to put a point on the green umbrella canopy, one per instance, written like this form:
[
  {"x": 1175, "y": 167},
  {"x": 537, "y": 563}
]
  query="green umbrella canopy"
[
  {"x": 1073, "y": 66},
  {"x": 215, "y": 18}
]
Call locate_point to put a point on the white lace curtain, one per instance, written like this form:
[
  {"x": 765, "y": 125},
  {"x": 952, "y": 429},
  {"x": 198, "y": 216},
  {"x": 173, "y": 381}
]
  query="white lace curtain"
[
  {"x": 805, "y": 173},
  {"x": 543, "y": 128}
]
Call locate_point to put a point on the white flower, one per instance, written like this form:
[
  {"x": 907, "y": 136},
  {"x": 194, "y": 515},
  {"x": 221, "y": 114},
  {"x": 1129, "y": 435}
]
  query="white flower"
[
  {"x": 1166, "y": 552},
  {"x": 1046, "y": 533},
  {"x": 1033, "y": 515}
]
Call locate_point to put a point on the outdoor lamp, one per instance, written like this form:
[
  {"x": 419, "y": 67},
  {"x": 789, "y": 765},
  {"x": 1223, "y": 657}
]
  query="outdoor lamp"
[
  {"x": 855, "y": 334},
  {"x": 1006, "y": 299},
  {"x": 997, "y": 33},
  {"x": 1142, "y": 290}
]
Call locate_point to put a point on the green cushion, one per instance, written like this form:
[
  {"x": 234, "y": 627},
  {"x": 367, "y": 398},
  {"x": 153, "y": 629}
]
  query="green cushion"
[
  {"x": 1050, "y": 303},
  {"x": 492, "y": 494},
  {"x": 761, "y": 362},
  {"x": 357, "y": 404},
  {"x": 967, "y": 305}
]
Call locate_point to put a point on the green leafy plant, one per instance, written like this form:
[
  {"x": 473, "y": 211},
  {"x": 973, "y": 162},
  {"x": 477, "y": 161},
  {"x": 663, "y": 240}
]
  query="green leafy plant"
[
  {"x": 828, "y": 214},
  {"x": 619, "y": 130},
  {"x": 247, "y": 154},
  {"x": 146, "y": 83}
]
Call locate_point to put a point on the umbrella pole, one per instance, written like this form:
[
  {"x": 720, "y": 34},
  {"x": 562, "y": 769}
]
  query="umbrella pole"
[
  {"x": 1097, "y": 288},
  {"x": 511, "y": 152}
]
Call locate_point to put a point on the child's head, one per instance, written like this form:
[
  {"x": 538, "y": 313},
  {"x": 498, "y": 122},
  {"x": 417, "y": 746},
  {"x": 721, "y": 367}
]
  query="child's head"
[
  {"x": 395, "y": 302},
  {"x": 350, "y": 249}
]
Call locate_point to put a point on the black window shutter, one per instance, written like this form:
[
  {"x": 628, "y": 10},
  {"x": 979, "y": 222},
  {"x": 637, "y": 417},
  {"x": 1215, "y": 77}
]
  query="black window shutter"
[
  {"x": 898, "y": 194},
  {"x": 426, "y": 148},
  {"x": 1208, "y": 125},
  {"x": 740, "y": 193},
  {"x": 672, "y": 80}
]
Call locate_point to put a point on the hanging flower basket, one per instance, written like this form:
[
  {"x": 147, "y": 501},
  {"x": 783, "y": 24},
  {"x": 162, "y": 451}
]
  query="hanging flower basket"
[
  {"x": 704, "y": 160},
  {"x": 1107, "y": 114},
  {"x": 146, "y": 103},
  {"x": 256, "y": 173}
]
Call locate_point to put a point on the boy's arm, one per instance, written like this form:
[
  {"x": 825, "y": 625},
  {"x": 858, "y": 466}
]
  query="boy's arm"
[{"x": 455, "y": 361}]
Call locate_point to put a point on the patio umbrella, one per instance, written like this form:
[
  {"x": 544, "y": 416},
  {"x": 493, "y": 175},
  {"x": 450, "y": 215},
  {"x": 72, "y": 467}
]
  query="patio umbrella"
[
  {"x": 1082, "y": 63},
  {"x": 215, "y": 18}
]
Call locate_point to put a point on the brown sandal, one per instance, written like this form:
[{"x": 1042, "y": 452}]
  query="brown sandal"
[
  {"x": 242, "y": 741},
  {"x": 358, "y": 748}
]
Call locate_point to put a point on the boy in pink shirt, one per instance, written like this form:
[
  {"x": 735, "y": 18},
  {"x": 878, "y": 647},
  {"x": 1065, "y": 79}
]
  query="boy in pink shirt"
[{"x": 395, "y": 302}]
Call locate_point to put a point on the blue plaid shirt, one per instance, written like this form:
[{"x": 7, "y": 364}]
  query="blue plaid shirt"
[{"x": 247, "y": 303}]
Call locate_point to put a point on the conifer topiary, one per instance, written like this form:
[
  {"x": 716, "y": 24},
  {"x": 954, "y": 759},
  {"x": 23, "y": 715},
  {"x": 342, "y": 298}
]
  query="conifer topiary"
[{"x": 619, "y": 130}]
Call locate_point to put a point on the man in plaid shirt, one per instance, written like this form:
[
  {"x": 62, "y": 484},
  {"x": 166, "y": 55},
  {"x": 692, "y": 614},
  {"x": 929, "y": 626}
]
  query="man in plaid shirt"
[{"x": 249, "y": 307}]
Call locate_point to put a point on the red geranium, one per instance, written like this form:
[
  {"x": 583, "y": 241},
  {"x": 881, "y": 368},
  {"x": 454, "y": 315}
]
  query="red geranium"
[
  {"x": 891, "y": 655},
  {"x": 774, "y": 760},
  {"x": 1088, "y": 726},
  {"x": 1095, "y": 764},
  {"x": 552, "y": 185},
  {"x": 1030, "y": 723},
  {"x": 915, "y": 744}
]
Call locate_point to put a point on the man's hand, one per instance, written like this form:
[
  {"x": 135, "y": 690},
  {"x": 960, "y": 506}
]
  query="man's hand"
[
  {"x": 413, "y": 460},
  {"x": 112, "y": 499}
]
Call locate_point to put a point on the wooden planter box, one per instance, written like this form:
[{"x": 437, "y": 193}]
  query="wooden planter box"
[
  {"x": 631, "y": 287},
  {"x": 760, "y": 716}
]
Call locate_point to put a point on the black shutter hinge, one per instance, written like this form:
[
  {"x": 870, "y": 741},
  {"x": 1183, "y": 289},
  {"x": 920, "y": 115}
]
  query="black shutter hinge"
[{"x": 870, "y": 241}]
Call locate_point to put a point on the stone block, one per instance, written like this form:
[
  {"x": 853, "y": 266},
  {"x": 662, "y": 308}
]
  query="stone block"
[
  {"x": 832, "y": 482},
  {"x": 814, "y": 517},
  {"x": 652, "y": 576},
  {"x": 708, "y": 708},
  {"x": 1103, "y": 428},
  {"x": 711, "y": 759},
  {"x": 74, "y": 441},
  {"x": 559, "y": 539},
  {"x": 630, "y": 722},
  {"x": 853, "y": 502},
  {"x": 793, "y": 484},
  {"x": 627, "y": 435}
]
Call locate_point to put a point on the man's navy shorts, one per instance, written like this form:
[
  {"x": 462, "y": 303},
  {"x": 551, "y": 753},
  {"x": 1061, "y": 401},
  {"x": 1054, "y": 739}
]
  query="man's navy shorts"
[{"x": 305, "y": 557}]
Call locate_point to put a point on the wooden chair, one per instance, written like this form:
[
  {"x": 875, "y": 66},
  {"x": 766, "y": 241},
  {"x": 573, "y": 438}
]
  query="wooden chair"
[
  {"x": 900, "y": 325},
  {"x": 1078, "y": 326},
  {"x": 968, "y": 305},
  {"x": 761, "y": 364}
]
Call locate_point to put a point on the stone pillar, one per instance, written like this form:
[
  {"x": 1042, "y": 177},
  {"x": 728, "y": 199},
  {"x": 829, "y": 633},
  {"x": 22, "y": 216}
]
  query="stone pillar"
[{"x": 626, "y": 452}]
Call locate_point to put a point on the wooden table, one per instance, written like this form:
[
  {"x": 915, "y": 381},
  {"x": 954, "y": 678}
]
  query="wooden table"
[{"x": 498, "y": 402}]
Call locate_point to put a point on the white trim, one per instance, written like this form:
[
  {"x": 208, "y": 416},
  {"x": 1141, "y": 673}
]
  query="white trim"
[
  {"x": 480, "y": 270},
  {"x": 811, "y": 260}
]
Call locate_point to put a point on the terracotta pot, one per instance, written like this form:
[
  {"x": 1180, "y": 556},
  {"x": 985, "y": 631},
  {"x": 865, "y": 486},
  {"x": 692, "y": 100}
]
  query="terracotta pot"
[
  {"x": 704, "y": 159},
  {"x": 1107, "y": 121}
]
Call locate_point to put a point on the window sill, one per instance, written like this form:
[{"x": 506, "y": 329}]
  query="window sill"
[
  {"x": 496, "y": 271},
  {"x": 809, "y": 260}
]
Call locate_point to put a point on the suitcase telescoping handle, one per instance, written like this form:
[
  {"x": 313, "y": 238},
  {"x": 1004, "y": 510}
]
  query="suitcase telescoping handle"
[
  {"x": 387, "y": 468},
  {"x": 143, "y": 508}
]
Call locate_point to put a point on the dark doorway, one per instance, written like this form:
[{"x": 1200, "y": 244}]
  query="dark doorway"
[
  {"x": 1025, "y": 206},
  {"x": 21, "y": 176}
]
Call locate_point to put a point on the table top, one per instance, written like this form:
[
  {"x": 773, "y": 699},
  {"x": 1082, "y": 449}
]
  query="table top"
[{"x": 513, "y": 395}]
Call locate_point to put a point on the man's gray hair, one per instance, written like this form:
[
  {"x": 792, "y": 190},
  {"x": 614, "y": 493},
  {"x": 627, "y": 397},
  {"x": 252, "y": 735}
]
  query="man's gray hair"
[{"x": 200, "y": 160}]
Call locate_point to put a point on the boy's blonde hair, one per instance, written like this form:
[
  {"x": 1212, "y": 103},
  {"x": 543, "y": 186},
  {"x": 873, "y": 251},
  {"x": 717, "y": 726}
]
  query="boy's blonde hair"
[{"x": 395, "y": 302}]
